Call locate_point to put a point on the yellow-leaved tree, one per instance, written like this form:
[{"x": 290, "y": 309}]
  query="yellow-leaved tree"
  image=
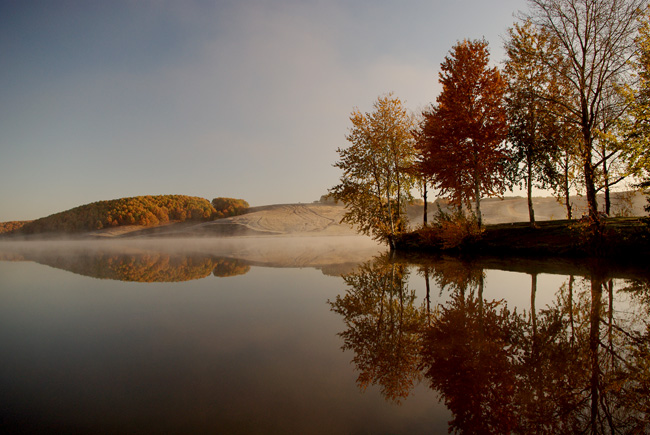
[{"x": 377, "y": 181}]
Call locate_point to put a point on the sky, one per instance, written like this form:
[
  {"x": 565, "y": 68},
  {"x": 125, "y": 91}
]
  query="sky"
[{"x": 245, "y": 98}]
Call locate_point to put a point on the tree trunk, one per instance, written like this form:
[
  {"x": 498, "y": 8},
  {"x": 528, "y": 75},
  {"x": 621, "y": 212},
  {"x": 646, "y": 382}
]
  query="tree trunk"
[
  {"x": 588, "y": 168},
  {"x": 391, "y": 221},
  {"x": 567, "y": 193},
  {"x": 608, "y": 204},
  {"x": 400, "y": 224},
  {"x": 391, "y": 242},
  {"x": 424, "y": 195},
  {"x": 477, "y": 193},
  {"x": 529, "y": 183}
]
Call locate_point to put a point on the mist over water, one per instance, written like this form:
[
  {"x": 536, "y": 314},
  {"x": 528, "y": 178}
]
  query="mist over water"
[
  {"x": 334, "y": 253},
  {"x": 312, "y": 335}
]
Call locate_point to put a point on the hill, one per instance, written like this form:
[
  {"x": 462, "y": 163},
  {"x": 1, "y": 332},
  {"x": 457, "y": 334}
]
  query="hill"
[{"x": 143, "y": 211}]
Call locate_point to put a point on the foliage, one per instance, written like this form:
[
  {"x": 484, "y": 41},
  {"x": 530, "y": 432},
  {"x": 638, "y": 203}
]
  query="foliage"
[
  {"x": 596, "y": 40},
  {"x": 226, "y": 207},
  {"x": 11, "y": 226},
  {"x": 455, "y": 228},
  {"x": 376, "y": 183},
  {"x": 636, "y": 146},
  {"x": 139, "y": 210},
  {"x": 462, "y": 134},
  {"x": 532, "y": 127}
]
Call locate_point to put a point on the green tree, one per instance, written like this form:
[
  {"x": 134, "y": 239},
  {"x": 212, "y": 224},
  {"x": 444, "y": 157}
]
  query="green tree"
[{"x": 376, "y": 182}]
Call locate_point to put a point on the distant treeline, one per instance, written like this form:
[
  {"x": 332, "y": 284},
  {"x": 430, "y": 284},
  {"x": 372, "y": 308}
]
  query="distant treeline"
[
  {"x": 138, "y": 210},
  {"x": 8, "y": 227}
]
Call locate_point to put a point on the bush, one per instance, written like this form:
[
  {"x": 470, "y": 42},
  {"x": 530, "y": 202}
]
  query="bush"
[
  {"x": 226, "y": 207},
  {"x": 454, "y": 228}
]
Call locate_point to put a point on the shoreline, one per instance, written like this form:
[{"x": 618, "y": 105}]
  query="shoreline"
[{"x": 613, "y": 238}]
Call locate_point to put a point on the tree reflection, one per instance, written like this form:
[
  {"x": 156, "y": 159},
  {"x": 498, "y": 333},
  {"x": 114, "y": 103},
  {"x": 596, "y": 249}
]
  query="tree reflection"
[
  {"x": 579, "y": 365},
  {"x": 468, "y": 357},
  {"x": 383, "y": 326}
]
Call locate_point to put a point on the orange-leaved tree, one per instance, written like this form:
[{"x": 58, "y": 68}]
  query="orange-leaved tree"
[{"x": 463, "y": 135}]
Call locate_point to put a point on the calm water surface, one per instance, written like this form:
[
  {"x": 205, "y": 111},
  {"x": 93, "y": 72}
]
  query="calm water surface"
[{"x": 315, "y": 336}]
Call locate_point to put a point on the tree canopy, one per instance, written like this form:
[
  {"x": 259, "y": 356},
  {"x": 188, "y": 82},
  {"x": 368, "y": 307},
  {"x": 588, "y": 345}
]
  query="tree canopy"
[
  {"x": 595, "y": 40},
  {"x": 531, "y": 126},
  {"x": 636, "y": 126},
  {"x": 463, "y": 133},
  {"x": 376, "y": 182}
]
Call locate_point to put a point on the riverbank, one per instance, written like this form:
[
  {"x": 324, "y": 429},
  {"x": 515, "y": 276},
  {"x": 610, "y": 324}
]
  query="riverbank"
[{"x": 614, "y": 237}]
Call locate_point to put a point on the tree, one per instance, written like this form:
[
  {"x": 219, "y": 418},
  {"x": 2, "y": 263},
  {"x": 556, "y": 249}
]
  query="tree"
[
  {"x": 464, "y": 132},
  {"x": 596, "y": 40},
  {"x": 225, "y": 207},
  {"x": 531, "y": 124},
  {"x": 376, "y": 182},
  {"x": 636, "y": 127}
]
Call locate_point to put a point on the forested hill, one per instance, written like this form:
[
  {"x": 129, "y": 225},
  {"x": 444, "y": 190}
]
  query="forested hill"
[{"x": 138, "y": 210}]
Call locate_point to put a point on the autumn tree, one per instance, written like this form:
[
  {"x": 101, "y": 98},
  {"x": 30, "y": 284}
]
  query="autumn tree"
[
  {"x": 636, "y": 127},
  {"x": 596, "y": 40},
  {"x": 225, "y": 207},
  {"x": 531, "y": 125},
  {"x": 376, "y": 182},
  {"x": 463, "y": 133}
]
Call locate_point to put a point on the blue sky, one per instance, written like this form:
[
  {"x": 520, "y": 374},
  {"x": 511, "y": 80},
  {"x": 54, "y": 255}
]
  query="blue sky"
[{"x": 244, "y": 98}]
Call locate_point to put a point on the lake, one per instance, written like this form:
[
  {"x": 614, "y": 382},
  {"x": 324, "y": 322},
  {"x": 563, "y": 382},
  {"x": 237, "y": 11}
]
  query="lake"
[{"x": 316, "y": 335}]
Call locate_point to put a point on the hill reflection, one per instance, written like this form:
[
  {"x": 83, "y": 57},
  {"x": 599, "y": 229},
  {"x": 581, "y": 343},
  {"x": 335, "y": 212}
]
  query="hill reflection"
[
  {"x": 178, "y": 260},
  {"x": 146, "y": 267},
  {"x": 580, "y": 365}
]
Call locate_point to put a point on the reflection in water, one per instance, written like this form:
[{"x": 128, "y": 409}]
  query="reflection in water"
[
  {"x": 383, "y": 325},
  {"x": 145, "y": 267},
  {"x": 182, "y": 260},
  {"x": 580, "y": 365}
]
